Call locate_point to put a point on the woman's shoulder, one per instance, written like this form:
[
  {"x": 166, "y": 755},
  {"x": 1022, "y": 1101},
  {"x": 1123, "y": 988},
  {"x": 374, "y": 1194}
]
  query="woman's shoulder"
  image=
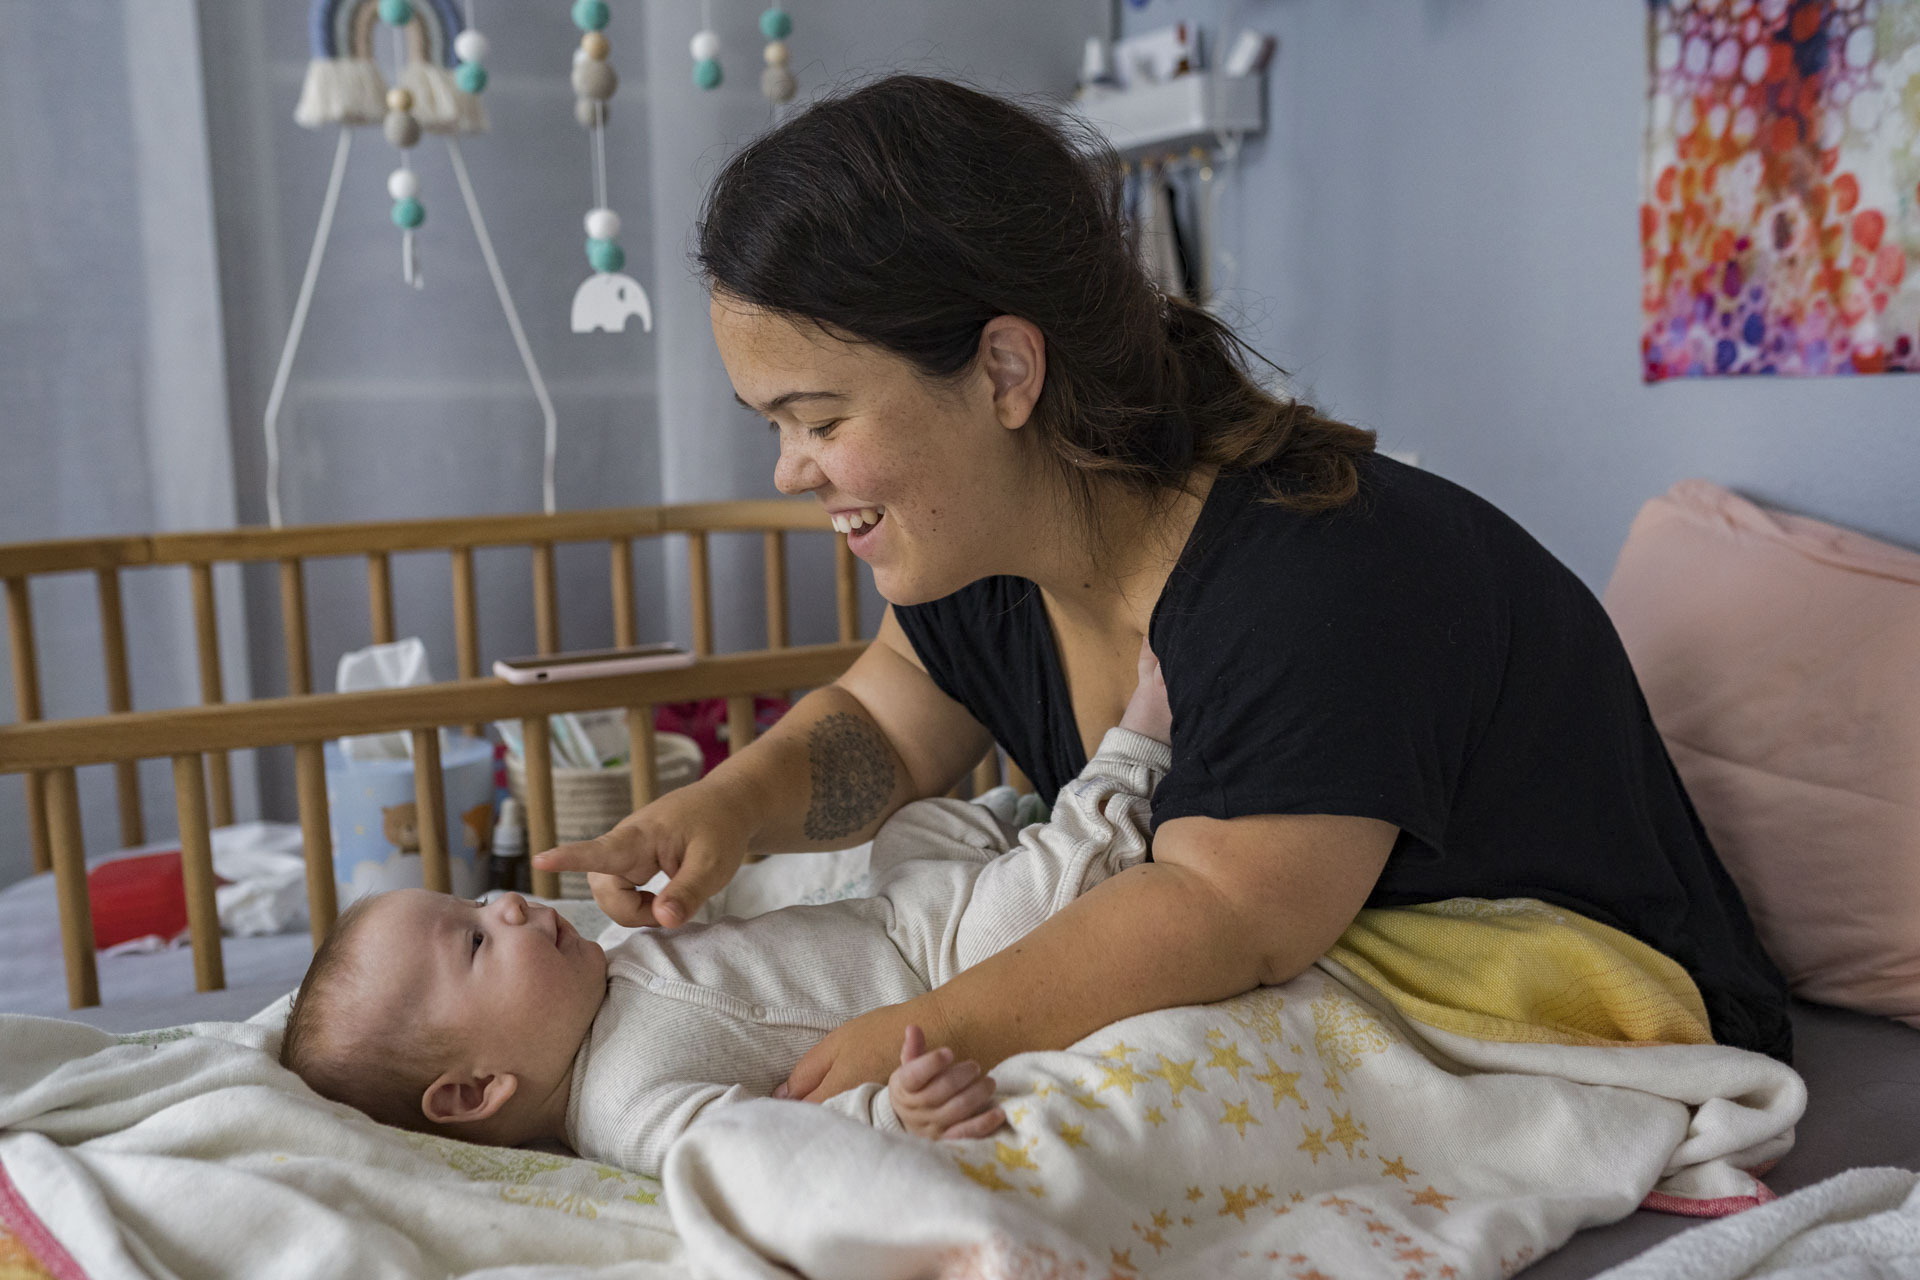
[{"x": 1402, "y": 526}]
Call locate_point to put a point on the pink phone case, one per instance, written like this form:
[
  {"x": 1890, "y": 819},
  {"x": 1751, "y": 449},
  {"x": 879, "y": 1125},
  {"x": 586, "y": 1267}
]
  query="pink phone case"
[{"x": 614, "y": 664}]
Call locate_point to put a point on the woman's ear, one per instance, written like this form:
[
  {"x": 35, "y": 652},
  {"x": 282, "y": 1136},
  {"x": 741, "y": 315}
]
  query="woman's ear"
[
  {"x": 1013, "y": 353},
  {"x": 459, "y": 1097}
]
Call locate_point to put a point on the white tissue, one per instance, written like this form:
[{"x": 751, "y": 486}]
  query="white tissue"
[{"x": 399, "y": 665}]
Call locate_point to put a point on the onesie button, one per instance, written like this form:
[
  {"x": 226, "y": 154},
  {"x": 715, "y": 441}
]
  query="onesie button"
[{"x": 759, "y": 1011}]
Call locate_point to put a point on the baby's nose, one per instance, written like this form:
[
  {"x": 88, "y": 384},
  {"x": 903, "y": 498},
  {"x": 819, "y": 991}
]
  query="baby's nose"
[{"x": 513, "y": 908}]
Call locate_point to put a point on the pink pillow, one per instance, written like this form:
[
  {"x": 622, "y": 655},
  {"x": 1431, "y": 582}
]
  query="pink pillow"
[{"x": 1781, "y": 658}]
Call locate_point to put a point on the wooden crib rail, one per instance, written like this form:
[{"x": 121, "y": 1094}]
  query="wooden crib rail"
[
  {"x": 378, "y": 542},
  {"x": 53, "y": 749}
]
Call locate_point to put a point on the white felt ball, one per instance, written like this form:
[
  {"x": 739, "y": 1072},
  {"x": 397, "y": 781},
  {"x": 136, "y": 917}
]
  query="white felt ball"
[
  {"x": 470, "y": 46},
  {"x": 403, "y": 184},
  {"x": 705, "y": 45},
  {"x": 603, "y": 224}
]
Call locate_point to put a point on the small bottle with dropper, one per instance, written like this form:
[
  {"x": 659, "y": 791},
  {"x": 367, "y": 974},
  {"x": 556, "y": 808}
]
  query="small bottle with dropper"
[{"x": 508, "y": 867}]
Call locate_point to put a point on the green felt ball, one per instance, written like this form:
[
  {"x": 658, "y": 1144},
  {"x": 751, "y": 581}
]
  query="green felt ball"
[
  {"x": 396, "y": 13},
  {"x": 591, "y": 15},
  {"x": 706, "y": 73},
  {"x": 408, "y": 213},
  {"x": 775, "y": 24},
  {"x": 606, "y": 255},
  {"x": 470, "y": 76}
]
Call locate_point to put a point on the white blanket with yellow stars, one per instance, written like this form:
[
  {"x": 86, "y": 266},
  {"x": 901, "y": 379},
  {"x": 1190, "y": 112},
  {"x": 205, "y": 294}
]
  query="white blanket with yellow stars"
[
  {"x": 1449, "y": 1095},
  {"x": 1314, "y": 1130}
]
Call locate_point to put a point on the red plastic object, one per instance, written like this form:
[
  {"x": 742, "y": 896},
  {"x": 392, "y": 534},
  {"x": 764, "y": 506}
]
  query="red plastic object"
[
  {"x": 706, "y": 722},
  {"x": 134, "y": 897}
]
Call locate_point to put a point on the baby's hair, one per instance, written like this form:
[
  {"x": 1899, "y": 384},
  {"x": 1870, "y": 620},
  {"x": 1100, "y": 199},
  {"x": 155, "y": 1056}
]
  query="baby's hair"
[{"x": 382, "y": 1070}]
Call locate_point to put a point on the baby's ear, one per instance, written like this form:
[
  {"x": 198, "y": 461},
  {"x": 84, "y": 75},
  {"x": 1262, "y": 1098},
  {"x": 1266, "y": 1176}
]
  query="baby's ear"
[{"x": 459, "y": 1097}]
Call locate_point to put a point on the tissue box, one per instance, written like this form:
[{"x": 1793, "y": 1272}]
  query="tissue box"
[{"x": 376, "y": 842}]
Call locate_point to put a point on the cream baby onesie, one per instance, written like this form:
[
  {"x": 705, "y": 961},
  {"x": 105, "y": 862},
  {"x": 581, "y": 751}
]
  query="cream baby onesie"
[{"x": 722, "y": 1012}]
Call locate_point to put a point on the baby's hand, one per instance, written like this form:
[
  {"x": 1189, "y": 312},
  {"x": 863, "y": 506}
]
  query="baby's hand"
[
  {"x": 936, "y": 1098},
  {"x": 1147, "y": 711}
]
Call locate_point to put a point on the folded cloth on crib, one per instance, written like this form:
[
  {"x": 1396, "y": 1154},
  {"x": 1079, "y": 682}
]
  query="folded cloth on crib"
[{"x": 1503, "y": 1075}]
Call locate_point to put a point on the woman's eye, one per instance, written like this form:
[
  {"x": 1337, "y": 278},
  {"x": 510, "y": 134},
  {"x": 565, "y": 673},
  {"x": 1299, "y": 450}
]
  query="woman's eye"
[{"x": 821, "y": 432}]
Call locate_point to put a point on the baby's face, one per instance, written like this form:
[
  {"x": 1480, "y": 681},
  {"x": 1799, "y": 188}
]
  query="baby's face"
[{"x": 513, "y": 983}]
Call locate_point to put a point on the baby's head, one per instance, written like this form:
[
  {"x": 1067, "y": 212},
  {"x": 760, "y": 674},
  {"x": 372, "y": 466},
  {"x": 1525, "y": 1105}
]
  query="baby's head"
[{"x": 443, "y": 1014}]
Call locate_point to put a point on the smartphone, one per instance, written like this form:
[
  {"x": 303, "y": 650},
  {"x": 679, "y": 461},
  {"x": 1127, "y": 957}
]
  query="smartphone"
[{"x": 588, "y": 663}]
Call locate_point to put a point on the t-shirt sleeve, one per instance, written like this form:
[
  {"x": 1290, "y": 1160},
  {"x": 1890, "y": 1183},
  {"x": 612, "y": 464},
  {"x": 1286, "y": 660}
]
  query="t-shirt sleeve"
[{"x": 1329, "y": 669}]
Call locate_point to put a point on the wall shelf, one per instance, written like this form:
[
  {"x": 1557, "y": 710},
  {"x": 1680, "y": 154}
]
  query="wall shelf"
[{"x": 1198, "y": 109}]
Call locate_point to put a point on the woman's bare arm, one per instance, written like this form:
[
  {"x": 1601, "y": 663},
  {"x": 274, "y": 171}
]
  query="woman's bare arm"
[
  {"x": 848, "y": 755},
  {"x": 825, "y": 777},
  {"x": 1224, "y": 907}
]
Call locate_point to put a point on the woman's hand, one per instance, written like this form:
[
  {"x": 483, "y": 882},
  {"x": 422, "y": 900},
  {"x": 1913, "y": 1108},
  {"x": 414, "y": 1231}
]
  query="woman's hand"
[
  {"x": 697, "y": 834},
  {"x": 864, "y": 1050},
  {"x": 936, "y": 1097}
]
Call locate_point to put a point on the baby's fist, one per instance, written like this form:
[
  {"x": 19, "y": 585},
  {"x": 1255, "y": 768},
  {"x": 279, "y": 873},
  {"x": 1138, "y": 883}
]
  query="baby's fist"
[{"x": 937, "y": 1098}]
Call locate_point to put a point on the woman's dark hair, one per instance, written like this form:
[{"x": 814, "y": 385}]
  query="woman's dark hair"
[{"x": 909, "y": 212}]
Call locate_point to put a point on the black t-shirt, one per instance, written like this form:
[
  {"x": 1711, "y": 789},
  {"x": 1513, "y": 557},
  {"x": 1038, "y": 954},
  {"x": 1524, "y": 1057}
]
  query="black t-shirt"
[{"x": 1416, "y": 657}]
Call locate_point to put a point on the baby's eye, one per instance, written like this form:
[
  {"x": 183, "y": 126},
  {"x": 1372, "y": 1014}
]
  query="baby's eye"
[{"x": 478, "y": 938}]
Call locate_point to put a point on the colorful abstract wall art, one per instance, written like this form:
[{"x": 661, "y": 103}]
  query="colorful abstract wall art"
[{"x": 1780, "y": 221}]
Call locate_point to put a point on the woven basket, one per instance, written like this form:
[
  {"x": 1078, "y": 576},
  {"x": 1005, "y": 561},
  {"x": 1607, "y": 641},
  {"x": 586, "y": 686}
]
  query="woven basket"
[{"x": 589, "y": 802}]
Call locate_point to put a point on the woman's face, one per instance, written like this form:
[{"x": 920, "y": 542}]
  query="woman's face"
[{"x": 950, "y": 478}]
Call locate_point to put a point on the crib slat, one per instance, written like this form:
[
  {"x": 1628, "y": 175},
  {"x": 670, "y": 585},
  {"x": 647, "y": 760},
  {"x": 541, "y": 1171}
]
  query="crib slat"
[
  {"x": 776, "y": 558},
  {"x": 540, "y": 825},
  {"x": 642, "y": 753},
  {"x": 206, "y": 631},
  {"x": 700, "y": 577},
  {"x": 546, "y": 599},
  {"x": 740, "y": 726},
  {"x": 380, "y": 596},
  {"x": 113, "y": 644},
  {"x": 293, "y": 624},
  {"x": 70, "y": 889},
  {"x": 986, "y": 774},
  {"x": 846, "y": 584},
  {"x": 26, "y": 702},
  {"x": 196, "y": 866},
  {"x": 466, "y": 621},
  {"x": 430, "y": 811},
  {"x": 626, "y": 622},
  {"x": 316, "y": 836}
]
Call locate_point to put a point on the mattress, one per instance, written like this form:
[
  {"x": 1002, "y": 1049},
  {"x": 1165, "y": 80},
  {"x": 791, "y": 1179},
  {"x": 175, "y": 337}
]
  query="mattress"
[{"x": 1863, "y": 1079}]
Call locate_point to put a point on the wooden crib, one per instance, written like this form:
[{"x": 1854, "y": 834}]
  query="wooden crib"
[{"x": 198, "y": 739}]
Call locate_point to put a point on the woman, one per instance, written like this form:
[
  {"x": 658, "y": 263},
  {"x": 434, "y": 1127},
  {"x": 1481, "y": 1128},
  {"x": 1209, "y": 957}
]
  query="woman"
[{"x": 1384, "y": 692}]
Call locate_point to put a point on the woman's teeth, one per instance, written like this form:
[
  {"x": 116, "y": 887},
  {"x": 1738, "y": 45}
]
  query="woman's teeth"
[{"x": 854, "y": 521}]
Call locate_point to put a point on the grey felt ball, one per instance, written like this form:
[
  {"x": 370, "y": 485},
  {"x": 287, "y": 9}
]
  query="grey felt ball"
[
  {"x": 589, "y": 113},
  {"x": 595, "y": 79},
  {"x": 402, "y": 129},
  {"x": 777, "y": 84}
]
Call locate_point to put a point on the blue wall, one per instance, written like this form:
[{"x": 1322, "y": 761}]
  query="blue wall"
[{"x": 1439, "y": 237}]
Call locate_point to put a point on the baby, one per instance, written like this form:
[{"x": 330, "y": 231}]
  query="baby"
[{"x": 499, "y": 1023}]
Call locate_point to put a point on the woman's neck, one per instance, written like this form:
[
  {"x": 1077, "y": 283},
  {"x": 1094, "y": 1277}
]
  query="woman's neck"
[{"x": 1107, "y": 579}]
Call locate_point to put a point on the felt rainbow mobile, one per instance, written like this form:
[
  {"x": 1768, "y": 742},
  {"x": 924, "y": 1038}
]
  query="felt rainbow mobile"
[{"x": 439, "y": 72}]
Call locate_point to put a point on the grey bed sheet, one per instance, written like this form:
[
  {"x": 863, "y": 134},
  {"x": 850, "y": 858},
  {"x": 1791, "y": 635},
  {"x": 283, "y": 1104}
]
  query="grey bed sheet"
[{"x": 1863, "y": 1108}]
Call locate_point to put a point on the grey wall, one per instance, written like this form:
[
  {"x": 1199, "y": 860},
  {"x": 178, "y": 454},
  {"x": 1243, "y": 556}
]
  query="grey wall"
[
  {"x": 1439, "y": 237},
  {"x": 112, "y": 398}
]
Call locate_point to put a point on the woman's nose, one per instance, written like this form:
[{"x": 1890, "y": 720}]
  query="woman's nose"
[{"x": 796, "y": 472}]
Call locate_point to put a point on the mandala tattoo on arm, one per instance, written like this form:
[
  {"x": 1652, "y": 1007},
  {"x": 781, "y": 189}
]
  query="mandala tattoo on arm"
[{"x": 852, "y": 776}]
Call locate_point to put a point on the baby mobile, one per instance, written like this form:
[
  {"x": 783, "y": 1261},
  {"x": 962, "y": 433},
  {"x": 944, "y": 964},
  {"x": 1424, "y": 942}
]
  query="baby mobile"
[
  {"x": 438, "y": 75},
  {"x": 606, "y": 298},
  {"x": 777, "y": 84}
]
